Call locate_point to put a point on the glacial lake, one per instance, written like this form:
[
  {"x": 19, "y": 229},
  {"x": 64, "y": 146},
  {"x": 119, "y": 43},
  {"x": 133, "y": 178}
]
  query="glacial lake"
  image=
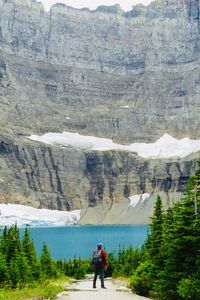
[{"x": 80, "y": 241}]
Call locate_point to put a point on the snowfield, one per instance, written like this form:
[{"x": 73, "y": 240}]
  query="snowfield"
[
  {"x": 166, "y": 147},
  {"x": 26, "y": 215}
]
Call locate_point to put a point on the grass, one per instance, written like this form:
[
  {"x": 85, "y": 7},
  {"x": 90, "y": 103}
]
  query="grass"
[{"x": 46, "y": 290}]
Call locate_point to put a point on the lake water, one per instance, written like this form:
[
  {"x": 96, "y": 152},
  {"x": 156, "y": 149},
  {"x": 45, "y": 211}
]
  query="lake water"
[{"x": 80, "y": 241}]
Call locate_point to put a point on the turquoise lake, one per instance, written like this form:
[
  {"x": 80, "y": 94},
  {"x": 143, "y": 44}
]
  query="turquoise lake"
[{"x": 80, "y": 241}]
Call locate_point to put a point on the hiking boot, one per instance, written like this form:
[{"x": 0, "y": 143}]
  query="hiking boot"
[
  {"x": 94, "y": 287},
  {"x": 103, "y": 287}
]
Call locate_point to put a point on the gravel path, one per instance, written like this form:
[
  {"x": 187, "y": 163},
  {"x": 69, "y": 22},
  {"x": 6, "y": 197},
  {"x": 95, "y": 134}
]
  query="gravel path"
[{"x": 82, "y": 290}]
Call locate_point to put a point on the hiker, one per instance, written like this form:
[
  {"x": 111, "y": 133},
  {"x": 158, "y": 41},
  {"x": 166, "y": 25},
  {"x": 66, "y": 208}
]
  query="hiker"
[{"x": 100, "y": 263}]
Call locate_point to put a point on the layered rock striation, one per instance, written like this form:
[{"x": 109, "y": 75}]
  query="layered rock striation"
[
  {"x": 127, "y": 76},
  {"x": 99, "y": 183},
  {"x": 58, "y": 63}
]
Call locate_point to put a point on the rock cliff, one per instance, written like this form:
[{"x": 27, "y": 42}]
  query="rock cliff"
[{"x": 126, "y": 76}]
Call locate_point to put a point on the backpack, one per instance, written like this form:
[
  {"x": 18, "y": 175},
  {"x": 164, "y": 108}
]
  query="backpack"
[{"x": 97, "y": 258}]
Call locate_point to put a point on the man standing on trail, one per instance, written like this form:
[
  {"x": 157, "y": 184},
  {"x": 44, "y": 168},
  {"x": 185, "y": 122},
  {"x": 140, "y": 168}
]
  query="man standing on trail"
[{"x": 100, "y": 263}]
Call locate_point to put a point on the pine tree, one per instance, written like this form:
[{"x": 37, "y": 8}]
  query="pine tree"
[
  {"x": 26, "y": 275},
  {"x": 146, "y": 275},
  {"x": 48, "y": 267},
  {"x": 10, "y": 242},
  {"x": 19, "y": 269},
  {"x": 163, "y": 287},
  {"x": 180, "y": 277},
  {"x": 187, "y": 243},
  {"x": 171, "y": 265},
  {"x": 154, "y": 243},
  {"x": 30, "y": 254},
  {"x": 3, "y": 240},
  {"x": 14, "y": 270},
  {"x": 4, "y": 273}
]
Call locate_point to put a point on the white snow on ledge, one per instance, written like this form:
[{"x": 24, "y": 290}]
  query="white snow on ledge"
[
  {"x": 93, "y": 5},
  {"x": 26, "y": 215},
  {"x": 135, "y": 199},
  {"x": 166, "y": 147}
]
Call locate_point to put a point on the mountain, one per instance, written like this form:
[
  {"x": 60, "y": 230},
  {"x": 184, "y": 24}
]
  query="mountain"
[{"x": 129, "y": 77}]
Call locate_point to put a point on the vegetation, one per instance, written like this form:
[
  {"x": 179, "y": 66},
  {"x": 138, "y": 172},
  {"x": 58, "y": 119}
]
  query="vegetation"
[
  {"x": 43, "y": 290},
  {"x": 170, "y": 263},
  {"x": 23, "y": 275},
  {"x": 124, "y": 263},
  {"x": 166, "y": 268}
]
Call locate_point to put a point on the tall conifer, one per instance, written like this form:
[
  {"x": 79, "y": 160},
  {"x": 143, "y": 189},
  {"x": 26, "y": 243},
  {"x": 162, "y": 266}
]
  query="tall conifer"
[
  {"x": 4, "y": 272},
  {"x": 155, "y": 238},
  {"x": 30, "y": 253},
  {"x": 47, "y": 265}
]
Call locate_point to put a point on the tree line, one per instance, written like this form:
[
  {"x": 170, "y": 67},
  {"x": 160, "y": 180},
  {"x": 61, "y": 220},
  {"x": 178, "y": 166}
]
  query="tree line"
[
  {"x": 167, "y": 267},
  {"x": 20, "y": 266},
  {"x": 170, "y": 260}
]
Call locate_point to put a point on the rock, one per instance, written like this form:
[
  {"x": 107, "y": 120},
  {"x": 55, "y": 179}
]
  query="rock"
[
  {"x": 123, "y": 289},
  {"x": 77, "y": 70},
  {"x": 99, "y": 183},
  {"x": 105, "y": 59}
]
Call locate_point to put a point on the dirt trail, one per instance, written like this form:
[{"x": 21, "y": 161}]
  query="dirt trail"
[{"x": 82, "y": 290}]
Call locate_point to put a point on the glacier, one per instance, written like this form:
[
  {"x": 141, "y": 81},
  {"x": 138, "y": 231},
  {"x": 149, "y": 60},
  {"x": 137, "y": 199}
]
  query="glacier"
[{"x": 24, "y": 215}]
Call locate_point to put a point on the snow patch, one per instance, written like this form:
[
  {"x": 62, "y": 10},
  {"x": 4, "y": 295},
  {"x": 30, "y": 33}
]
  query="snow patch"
[
  {"x": 135, "y": 199},
  {"x": 124, "y": 106},
  {"x": 166, "y": 147},
  {"x": 125, "y": 5},
  {"x": 26, "y": 215}
]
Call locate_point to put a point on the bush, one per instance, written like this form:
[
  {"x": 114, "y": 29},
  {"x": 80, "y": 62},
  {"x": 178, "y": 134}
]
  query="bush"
[
  {"x": 189, "y": 288},
  {"x": 141, "y": 282}
]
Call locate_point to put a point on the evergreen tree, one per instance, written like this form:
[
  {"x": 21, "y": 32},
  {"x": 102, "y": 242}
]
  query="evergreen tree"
[
  {"x": 147, "y": 273},
  {"x": 4, "y": 273},
  {"x": 3, "y": 240},
  {"x": 125, "y": 263},
  {"x": 155, "y": 239},
  {"x": 10, "y": 242},
  {"x": 30, "y": 254},
  {"x": 183, "y": 261},
  {"x": 14, "y": 271},
  {"x": 26, "y": 275},
  {"x": 171, "y": 266},
  {"x": 48, "y": 267},
  {"x": 19, "y": 270},
  {"x": 163, "y": 288}
]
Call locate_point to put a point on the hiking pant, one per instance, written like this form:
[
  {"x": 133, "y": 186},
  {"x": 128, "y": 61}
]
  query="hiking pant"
[{"x": 99, "y": 272}]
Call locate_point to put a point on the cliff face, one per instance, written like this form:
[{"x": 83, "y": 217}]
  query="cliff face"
[
  {"x": 99, "y": 183},
  {"x": 41, "y": 176},
  {"x": 77, "y": 70},
  {"x": 126, "y": 76}
]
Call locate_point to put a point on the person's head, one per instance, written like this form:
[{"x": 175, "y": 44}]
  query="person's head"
[{"x": 99, "y": 246}]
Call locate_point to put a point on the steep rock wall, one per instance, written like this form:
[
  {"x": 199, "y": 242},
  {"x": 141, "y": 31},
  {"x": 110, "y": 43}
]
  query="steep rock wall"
[
  {"x": 41, "y": 176},
  {"x": 99, "y": 183},
  {"x": 126, "y": 76},
  {"x": 99, "y": 63}
]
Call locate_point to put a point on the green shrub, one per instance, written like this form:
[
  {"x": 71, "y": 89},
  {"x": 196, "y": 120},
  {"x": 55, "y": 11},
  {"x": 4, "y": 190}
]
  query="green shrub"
[
  {"x": 141, "y": 281},
  {"x": 189, "y": 288}
]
